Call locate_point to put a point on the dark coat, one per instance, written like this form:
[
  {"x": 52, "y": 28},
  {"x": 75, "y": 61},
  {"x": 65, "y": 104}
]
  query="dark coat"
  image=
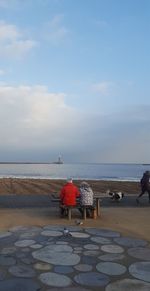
[{"x": 145, "y": 184}]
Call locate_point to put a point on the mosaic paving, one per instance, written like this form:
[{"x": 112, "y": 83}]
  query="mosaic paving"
[{"x": 81, "y": 259}]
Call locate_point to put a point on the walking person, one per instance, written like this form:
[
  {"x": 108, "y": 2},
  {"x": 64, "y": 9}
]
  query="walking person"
[
  {"x": 86, "y": 198},
  {"x": 145, "y": 186},
  {"x": 68, "y": 195}
]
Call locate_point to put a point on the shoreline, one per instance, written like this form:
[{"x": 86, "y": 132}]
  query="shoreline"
[{"x": 20, "y": 186}]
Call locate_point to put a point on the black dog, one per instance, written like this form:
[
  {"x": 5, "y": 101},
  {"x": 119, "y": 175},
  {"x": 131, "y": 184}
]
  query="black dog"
[{"x": 116, "y": 196}]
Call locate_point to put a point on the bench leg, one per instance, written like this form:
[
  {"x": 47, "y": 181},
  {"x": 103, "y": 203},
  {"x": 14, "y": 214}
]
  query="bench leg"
[
  {"x": 98, "y": 207},
  {"x": 94, "y": 214},
  {"x": 69, "y": 213},
  {"x": 84, "y": 213}
]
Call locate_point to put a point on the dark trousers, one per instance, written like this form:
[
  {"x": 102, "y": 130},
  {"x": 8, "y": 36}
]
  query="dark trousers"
[
  {"x": 88, "y": 211},
  {"x": 143, "y": 192}
]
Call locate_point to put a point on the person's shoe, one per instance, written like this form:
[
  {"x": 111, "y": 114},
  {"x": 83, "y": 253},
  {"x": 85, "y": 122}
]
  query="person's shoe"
[{"x": 137, "y": 201}]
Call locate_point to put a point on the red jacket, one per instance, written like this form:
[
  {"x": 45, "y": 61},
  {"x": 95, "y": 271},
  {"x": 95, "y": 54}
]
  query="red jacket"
[{"x": 68, "y": 194}]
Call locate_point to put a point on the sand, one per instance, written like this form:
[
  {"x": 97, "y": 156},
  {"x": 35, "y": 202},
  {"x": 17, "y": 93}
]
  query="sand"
[
  {"x": 130, "y": 221},
  {"x": 46, "y": 186}
]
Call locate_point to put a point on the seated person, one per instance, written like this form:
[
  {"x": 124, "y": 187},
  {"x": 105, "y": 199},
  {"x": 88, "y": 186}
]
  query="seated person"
[
  {"x": 68, "y": 195},
  {"x": 86, "y": 198}
]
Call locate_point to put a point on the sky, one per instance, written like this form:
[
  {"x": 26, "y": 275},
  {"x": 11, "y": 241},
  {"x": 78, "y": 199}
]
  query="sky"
[{"x": 75, "y": 81}]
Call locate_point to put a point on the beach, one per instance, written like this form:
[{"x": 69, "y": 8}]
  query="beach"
[
  {"x": 129, "y": 220},
  {"x": 48, "y": 186}
]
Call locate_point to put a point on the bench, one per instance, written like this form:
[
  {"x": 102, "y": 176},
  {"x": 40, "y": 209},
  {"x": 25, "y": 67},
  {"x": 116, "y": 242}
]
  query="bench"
[{"x": 95, "y": 210}]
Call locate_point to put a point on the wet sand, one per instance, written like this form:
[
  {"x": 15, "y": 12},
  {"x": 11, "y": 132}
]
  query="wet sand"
[{"x": 46, "y": 186}]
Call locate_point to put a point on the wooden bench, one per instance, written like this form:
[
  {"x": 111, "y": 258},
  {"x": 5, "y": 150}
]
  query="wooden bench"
[{"x": 95, "y": 210}]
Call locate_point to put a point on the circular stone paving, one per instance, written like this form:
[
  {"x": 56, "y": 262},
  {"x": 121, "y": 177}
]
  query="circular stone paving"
[
  {"x": 112, "y": 249},
  {"x": 57, "y": 255},
  {"x": 140, "y": 270},
  {"x": 53, "y": 279},
  {"x": 130, "y": 242},
  {"x": 43, "y": 258},
  {"x": 140, "y": 253},
  {"x": 92, "y": 279},
  {"x": 111, "y": 268},
  {"x": 128, "y": 284}
]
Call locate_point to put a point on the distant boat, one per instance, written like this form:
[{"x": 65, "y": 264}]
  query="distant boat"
[{"x": 59, "y": 162}]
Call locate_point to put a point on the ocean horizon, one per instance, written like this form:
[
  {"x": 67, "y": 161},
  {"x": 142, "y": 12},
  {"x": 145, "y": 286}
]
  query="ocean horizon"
[{"x": 78, "y": 171}]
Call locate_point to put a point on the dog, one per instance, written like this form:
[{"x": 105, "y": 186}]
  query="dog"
[{"x": 116, "y": 196}]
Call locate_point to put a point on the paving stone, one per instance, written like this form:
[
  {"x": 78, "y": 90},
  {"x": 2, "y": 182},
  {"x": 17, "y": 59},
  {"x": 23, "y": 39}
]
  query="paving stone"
[
  {"x": 41, "y": 239},
  {"x": 55, "y": 280},
  {"x": 140, "y": 270},
  {"x": 112, "y": 249},
  {"x": 63, "y": 269},
  {"x": 79, "y": 234},
  {"x": 77, "y": 252},
  {"x": 91, "y": 253},
  {"x": 36, "y": 246},
  {"x": 18, "y": 284},
  {"x": 53, "y": 227},
  {"x": 57, "y": 255},
  {"x": 140, "y": 253},
  {"x": 8, "y": 251},
  {"x": 2, "y": 275},
  {"x": 101, "y": 240},
  {"x": 83, "y": 267},
  {"x": 7, "y": 260},
  {"x": 22, "y": 271},
  {"x": 42, "y": 266},
  {"x": 130, "y": 242},
  {"x": 78, "y": 248},
  {"x": 25, "y": 250},
  {"x": 92, "y": 279},
  {"x": 102, "y": 232},
  {"x": 128, "y": 284},
  {"x": 111, "y": 268},
  {"x": 5, "y": 234},
  {"x": 61, "y": 228},
  {"x": 27, "y": 235},
  {"x": 69, "y": 289},
  {"x": 24, "y": 243},
  {"x": 91, "y": 247},
  {"x": 20, "y": 255},
  {"x": 112, "y": 257},
  {"x": 28, "y": 260},
  {"x": 61, "y": 242},
  {"x": 51, "y": 233}
]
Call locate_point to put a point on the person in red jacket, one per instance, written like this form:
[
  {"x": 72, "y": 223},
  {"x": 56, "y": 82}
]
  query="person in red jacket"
[{"x": 68, "y": 195}]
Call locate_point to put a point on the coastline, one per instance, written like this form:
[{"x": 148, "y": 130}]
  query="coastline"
[{"x": 19, "y": 186}]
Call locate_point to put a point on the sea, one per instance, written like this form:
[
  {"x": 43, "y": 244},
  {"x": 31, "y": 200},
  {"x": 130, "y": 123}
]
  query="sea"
[{"x": 80, "y": 171}]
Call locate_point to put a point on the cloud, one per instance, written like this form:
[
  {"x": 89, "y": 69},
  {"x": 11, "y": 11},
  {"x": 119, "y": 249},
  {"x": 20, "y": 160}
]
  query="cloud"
[
  {"x": 104, "y": 88},
  {"x": 2, "y": 72},
  {"x": 13, "y": 42},
  {"x": 55, "y": 31},
  {"x": 37, "y": 123}
]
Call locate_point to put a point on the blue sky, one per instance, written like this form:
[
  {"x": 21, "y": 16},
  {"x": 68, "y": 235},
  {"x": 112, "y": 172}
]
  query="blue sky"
[{"x": 74, "y": 80}]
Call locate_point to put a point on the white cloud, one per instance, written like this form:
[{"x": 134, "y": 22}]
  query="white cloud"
[
  {"x": 55, "y": 31},
  {"x": 2, "y": 72},
  {"x": 13, "y": 42},
  {"x": 104, "y": 88},
  {"x": 36, "y": 122}
]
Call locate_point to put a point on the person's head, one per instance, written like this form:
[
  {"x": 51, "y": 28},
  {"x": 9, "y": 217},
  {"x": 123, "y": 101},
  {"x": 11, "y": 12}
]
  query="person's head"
[
  {"x": 69, "y": 180},
  {"x": 84, "y": 185},
  {"x": 147, "y": 173}
]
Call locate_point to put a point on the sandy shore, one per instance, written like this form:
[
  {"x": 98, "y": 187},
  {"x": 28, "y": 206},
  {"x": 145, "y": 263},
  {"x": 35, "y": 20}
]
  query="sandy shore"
[
  {"x": 129, "y": 221},
  {"x": 46, "y": 186}
]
